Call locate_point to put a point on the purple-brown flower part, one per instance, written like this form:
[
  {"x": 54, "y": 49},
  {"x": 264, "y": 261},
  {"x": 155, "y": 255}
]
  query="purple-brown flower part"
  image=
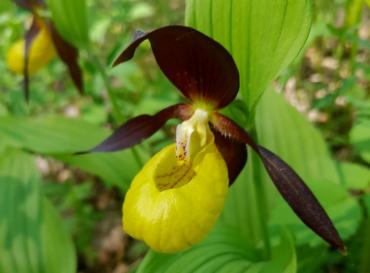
[
  {"x": 198, "y": 66},
  {"x": 233, "y": 152},
  {"x": 141, "y": 127},
  {"x": 289, "y": 184},
  {"x": 29, "y": 36},
  {"x": 206, "y": 74},
  {"x": 67, "y": 52}
]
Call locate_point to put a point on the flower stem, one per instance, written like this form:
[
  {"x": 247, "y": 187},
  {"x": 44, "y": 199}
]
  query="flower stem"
[{"x": 117, "y": 114}]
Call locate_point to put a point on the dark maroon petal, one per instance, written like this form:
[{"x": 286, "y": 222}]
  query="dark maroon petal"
[
  {"x": 233, "y": 152},
  {"x": 289, "y": 184},
  {"x": 139, "y": 128},
  {"x": 198, "y": 66},
  {"x": 30, "y": 4},
  {"x": 28, "y": 38},
  {"x": 69, "y": 55}
]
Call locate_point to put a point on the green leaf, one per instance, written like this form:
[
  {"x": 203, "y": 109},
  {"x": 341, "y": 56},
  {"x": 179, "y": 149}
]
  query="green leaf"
[
  {"x": 70, "y": 18},
  {"x": 114, "y": 168},
  {"x": 354, "y": 176},
  {"x": 222, "y": 252},
  {"x": 360, "y": 139},
  {"x": 17, "y": 164},
  {"x": 32, "y": 237},
  {"x": 61, "y": 137},
  {"x": 263, "y": 36},
  {"x": 51, "y": 135},
  {"x": 5, "y": 5},
  {"x": 354, "y": 9},
  {"x": 282, "y": 129},
  {"x": 58, "y": 251}
]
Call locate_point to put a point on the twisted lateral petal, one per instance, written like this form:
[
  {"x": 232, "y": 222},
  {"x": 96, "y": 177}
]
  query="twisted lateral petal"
[
  {"x": 137, "y": 129},
  {"x": 198, "y": 66},
  {"x": 68, "y": 53},
  {"x": 233, "y": 152},
  {"x": 173, "y": 204},
  {"x": 287, "y": 181}
]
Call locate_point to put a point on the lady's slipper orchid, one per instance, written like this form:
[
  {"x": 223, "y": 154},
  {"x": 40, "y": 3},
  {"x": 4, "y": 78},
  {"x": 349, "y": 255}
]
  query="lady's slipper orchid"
[
  {"x": 41, "y": 51},
  {"x": 177, "y": 196},
  {"x": 41, "y": 42}
]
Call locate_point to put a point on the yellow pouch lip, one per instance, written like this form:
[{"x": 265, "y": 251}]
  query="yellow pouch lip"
[
  {"x": 40, "y": 53},
  {"x": 170, "y": 149},
  {"x": 172, "y": 220}
]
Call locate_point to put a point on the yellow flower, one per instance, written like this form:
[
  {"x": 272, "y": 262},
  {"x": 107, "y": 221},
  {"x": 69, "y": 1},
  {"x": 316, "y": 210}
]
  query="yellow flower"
[
  {"x": 41, "y": 52},
  {"x": 177, "y": 197}
]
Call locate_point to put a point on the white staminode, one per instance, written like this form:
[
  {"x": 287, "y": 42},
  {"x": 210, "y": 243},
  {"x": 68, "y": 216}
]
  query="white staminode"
[{"x": 192, "y": 135}]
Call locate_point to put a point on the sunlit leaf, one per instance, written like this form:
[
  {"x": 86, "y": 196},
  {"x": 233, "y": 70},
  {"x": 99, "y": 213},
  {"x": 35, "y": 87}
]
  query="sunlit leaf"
[
  {"x": 263, "y": 36},
  {"x": 223, "y": 251},
  {"x": 282, "y": 129},
  {"x": 62, "y": 137},
  {"x": 5, "y": 5},
  {"x": 51, "y": 135},
  {"x": 353, "y": 12},
  {"x": 70, "y": 18}
]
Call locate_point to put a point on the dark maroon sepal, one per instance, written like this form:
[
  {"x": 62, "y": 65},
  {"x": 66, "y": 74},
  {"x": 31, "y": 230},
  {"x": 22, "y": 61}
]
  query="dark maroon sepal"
[
  {"x": 300, "y": 198},
  {"x": 68, "y": 53},
  {"x": 30, "y": 5},
  {"x": 289, "y": 184},
  {"x": 198, "y": 66},
  {"x": 139, "y": 128},
  {"x": 233, "y": 152},
  {"x": 30, "y": 34}
]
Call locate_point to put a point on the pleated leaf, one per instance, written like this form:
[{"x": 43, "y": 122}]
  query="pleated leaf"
[
  {"x": 61, "y": 137},
  {"x": 360, "y": 139},
  {"x": 70, "y": 18},
  {"x": 263, "y": 36},
  {"x": 223, "y": 251},
  {"x": 32, "y": 235}
]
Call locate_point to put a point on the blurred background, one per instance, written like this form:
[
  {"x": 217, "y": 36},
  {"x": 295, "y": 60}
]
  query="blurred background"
[{"x": 328, "y": 83}]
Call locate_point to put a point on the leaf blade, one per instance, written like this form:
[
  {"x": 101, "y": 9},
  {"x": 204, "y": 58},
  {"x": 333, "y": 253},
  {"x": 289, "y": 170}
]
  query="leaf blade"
[{"x": 262, "y": 36}]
